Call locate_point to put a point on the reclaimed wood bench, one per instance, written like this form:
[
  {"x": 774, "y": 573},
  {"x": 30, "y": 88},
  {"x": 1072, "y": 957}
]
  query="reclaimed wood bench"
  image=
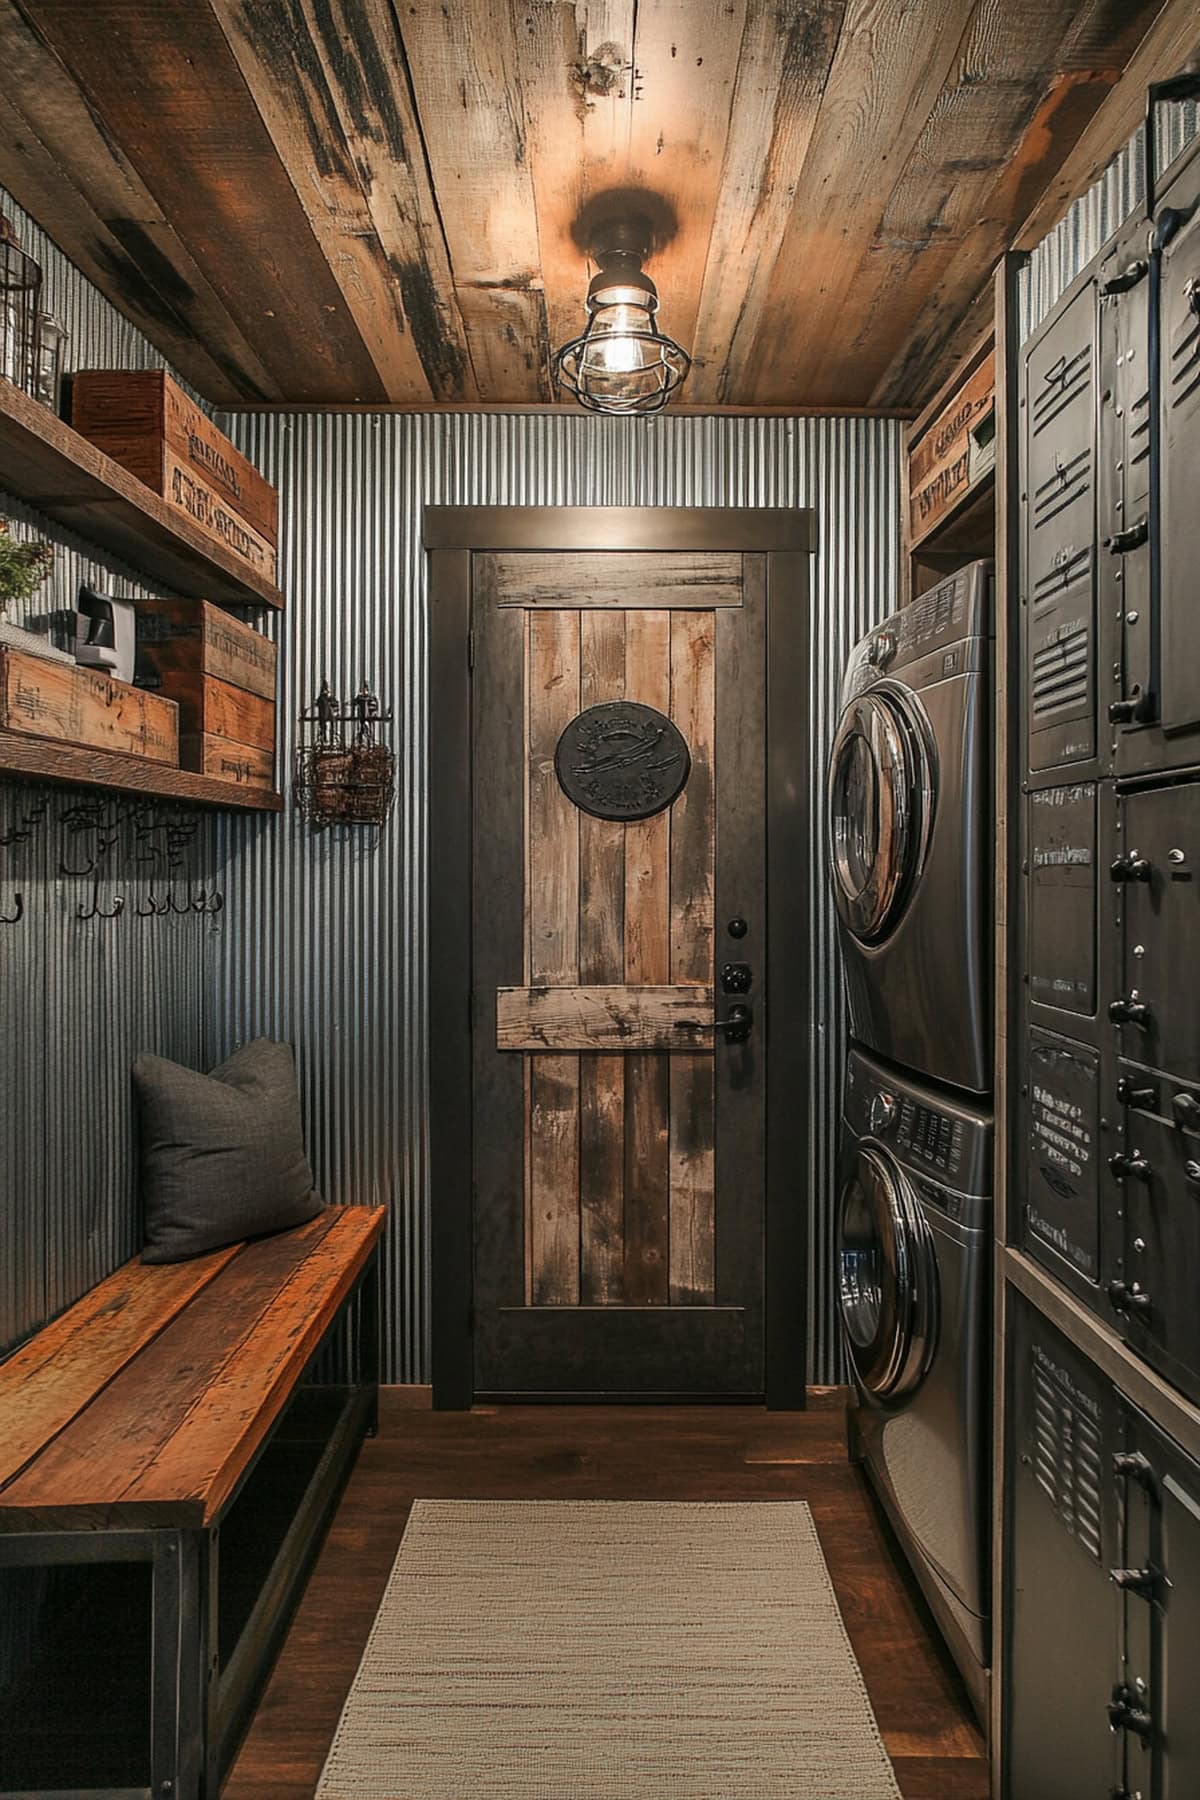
[{"x": 174, "y": 1446}]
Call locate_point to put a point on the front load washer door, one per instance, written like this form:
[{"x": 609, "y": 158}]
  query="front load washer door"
[
  {"x": 887, "y": 1276},
  {"x": 881, "y": 800}
]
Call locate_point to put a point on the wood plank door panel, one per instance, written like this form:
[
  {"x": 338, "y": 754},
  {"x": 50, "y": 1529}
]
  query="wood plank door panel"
[{"x": 617, "y": 1137}]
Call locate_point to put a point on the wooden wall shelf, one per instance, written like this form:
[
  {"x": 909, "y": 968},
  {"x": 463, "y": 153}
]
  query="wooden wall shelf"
[
  {"x": 41, "y": 759},
  {"x": 46, "y": 463}
]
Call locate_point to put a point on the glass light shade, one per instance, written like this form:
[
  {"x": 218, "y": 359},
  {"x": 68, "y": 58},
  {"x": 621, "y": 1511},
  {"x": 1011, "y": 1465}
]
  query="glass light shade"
[{"x": 622, "y": 363}]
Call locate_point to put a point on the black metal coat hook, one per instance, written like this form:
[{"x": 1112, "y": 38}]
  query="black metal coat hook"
[
  {"x": 95, "y": 910},
  {"x": 14, "y": 918}
]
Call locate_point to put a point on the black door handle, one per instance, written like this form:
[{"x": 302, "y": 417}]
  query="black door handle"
[{"x": 738, "y": 1025}]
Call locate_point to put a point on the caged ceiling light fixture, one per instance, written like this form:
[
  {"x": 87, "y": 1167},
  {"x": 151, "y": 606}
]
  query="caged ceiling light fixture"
[{"x": 622, "y": 363}]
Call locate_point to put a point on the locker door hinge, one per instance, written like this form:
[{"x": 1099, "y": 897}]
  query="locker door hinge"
[
  {"x": 470, "y": 649},
  {"x": 471, "y": 1319}
]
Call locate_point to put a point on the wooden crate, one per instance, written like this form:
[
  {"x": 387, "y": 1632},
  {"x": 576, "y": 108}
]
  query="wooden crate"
[
  {"x": 245, "y": 765},
  {"x": 194, "y": 637},
  {"x": 62, "y": 703},
  {"x": 218, "y": 709},
  {"x": 145, "y": 422},
  {"x": 940, "y": 472}
]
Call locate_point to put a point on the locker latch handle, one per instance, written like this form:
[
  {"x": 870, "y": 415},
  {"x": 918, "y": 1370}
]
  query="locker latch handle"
[
  {"x": 1125, "y": 278},
  {"x": 1131, "y": 1465},
  {"x": 1126, "y": 1714},
  {"x": 1131, "y": 538},
  {"x": 1145, "y": 1583},
  {"x": 1128, "y": 1297}
]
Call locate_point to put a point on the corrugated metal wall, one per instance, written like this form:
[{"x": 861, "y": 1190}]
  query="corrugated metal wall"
[
  {"x": 1096, "y": 215},
  {"x": 332, "y": 953},
  {"x": 79, "y": 998}
]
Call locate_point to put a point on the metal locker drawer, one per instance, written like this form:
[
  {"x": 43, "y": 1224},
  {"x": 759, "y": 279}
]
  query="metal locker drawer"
[
  {"x": 1155, "y": 1178},
  {"x": 1061, "y": 889},
  {"x": 1180, "y": 522},
  {"x": 1061, "y": 1199},
  {"x": 1157, "y": 872},
  {"x": 1060, "y": 521},
  {"x": 1062, "y": 1608}
]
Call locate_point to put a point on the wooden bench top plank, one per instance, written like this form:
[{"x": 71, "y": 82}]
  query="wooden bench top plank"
[
  {"x": 53, "y": 1378},
  {"x": 154, "y": 1422},
  {"x": 207, "y": 1456},
  {"x": 94, "y": 1458}
]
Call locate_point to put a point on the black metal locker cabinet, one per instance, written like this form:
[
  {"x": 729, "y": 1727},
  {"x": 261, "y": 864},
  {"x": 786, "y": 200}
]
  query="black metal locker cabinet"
[
  {"x": 1160, "y": 1575},
  {"x": 1063, "y": 1611}
]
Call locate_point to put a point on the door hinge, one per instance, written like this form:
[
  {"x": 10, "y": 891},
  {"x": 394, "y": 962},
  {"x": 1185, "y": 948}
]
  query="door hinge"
[
  {"x": 471, "y": 1319},
  {"x": 470, "y": 649}
]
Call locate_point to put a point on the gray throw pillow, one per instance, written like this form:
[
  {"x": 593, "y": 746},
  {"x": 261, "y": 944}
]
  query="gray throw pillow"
[{"x": 222, "y": 1154}]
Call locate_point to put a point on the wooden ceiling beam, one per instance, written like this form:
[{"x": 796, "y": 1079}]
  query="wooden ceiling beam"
[
  {"x": 1081, "y": 125},
  {"x": 309, "y": 69},
  {"x": 74, "y": 180},
  {"x": 462, "y": 57},
  {"x": 889, "y": 69},
  {"x": 786, "y": 53},
  {"x": 685, "y": 69},
  {"x": 576, "y": 66},
  {"x": 1171, "y": 43},
  {"x": 166, "y": 87}
]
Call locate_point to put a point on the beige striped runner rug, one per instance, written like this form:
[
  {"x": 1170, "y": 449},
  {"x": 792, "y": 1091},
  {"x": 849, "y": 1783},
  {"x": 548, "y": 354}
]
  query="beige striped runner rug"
[{"x": 608, "y": 1650}]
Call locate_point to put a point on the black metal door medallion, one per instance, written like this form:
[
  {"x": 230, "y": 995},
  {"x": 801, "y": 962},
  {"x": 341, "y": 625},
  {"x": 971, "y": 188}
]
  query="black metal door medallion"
[{"x": 622, "y": 760}]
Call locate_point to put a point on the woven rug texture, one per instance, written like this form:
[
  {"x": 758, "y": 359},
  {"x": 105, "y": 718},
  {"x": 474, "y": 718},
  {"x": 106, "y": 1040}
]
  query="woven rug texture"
[{"x": 608, "y": 1650}]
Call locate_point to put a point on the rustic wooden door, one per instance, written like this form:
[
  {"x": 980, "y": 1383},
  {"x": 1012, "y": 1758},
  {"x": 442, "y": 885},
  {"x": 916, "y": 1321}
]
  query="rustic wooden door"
[{"x": 618, "y": 909}]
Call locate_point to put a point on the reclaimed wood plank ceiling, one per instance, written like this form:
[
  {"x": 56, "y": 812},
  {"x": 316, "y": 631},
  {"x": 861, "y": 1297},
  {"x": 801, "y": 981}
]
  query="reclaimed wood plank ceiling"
[{"x": 371, "y": 201}]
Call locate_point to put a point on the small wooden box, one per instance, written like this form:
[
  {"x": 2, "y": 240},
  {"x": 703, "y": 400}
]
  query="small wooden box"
[
  {"x": 940, "y": 467},
  {"x": 70, "y": 705},
  {"x": 145, "y": 422},
  {"x": 194, "y": 637},
  {"x": 225, "y": 760}
]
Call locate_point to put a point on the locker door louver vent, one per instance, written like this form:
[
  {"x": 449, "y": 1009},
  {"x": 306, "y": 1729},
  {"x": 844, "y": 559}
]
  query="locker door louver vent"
[
  {"x": 1071, "y": 479},
  {"x": 1185, "y": 361},
  {"x": 1139, "y": 430},
  {"x": 1066, "y": 1460},
  {"x": 1069, "y": 378},
  {"x": 1060, "y": 671}
]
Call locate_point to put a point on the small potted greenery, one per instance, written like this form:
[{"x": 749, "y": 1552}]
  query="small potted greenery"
[{"x": 23, "y": 567}]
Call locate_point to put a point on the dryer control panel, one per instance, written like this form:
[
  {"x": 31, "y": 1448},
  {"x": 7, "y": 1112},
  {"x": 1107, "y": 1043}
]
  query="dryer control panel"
[{"x": 930, "y": 1137}]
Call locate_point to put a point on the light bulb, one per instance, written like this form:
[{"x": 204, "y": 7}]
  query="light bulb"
[{"x": 616, "y": 350}]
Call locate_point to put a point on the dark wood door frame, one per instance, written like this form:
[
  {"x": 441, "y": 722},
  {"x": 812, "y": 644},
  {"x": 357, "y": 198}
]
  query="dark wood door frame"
[{"x": 785, "y": 537}]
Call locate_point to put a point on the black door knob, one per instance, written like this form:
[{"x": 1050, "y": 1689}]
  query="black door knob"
[
  {"x": 1130, "y": 867},
  {"x": 1127, "y": 1011},
  {"x": 1130, "y": 1094},
  {"x": 1133, "y": 1166}
]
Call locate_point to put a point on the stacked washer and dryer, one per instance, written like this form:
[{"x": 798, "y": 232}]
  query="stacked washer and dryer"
[{"x": 911, "y": 848}]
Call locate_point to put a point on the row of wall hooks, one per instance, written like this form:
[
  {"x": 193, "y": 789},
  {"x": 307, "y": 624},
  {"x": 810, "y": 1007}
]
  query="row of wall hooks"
[{"x": 140, "y": 831}]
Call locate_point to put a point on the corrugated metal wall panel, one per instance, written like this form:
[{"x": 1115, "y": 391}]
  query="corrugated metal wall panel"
[
  {"x": 80, "y": 998},
  {"x": 1096, "y": 215},
  {"x": 333, "y": 956}
]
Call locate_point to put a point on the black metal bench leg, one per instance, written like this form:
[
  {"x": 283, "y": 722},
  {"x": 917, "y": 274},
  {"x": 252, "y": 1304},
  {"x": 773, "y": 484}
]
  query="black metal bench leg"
[
  {"x": 369, "y": 1345},
  {"x": 178, "y": 1668}
]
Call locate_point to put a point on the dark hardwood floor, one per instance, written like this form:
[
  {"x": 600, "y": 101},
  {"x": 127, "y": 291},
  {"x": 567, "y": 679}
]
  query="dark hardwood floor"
[{"x": 614, "y": 1453}]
